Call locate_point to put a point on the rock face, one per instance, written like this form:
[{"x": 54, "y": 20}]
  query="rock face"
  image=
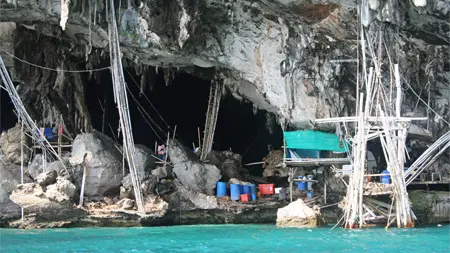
[
  {"x": 297, "y": 214},
  {"x": 62, "y": 190},
  {"x": 192, "y": 173},
  {"x": 144, "y": 162},
  {"x": 34, "y": 200},
  {"x": 46, "y": 178},
  {"x": 229, "y": 164},
  {"x": 9, "y": 178},
  {"x": 104, "y": 161},
  {"x": 10, "y": 146},
  {"x": 272, "y": 165},
  {"x": 431, "y": 206}
]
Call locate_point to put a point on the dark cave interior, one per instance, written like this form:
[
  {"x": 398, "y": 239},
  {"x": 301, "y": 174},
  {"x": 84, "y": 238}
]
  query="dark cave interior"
[{"x": 184, "y": 104}]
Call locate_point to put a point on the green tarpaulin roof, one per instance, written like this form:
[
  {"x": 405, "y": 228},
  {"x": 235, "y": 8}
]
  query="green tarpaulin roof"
[{"x": 309, "y": 139}]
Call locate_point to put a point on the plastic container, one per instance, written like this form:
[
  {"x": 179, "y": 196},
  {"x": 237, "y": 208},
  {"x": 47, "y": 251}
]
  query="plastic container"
[
  {"x": 309, "y": 194},
  {"x": 245, "y": 197},
  {"x": 235, "y": 193},
  {"x": 241, "y": 188},
  {"x": 252, "y": 188},
  {"x": 246, "y": 189},
  {"x": 221, "y": 189},
  {"x": 386, "y": 177},
  {"x": 278, "y": 190},
  {"x": 266, "y": 189},
  {"x": 253, "y": 196},
  {"x": 301, "y": 186}
]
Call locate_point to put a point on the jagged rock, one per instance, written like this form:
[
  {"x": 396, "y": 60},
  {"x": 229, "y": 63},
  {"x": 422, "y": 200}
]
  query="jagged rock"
[
  {"x": 272, "y": 165},
  {"x": 59, "y": 168},
  {"x": 34, "y": 201},
  {"x": 155, "y": 205},
  {"x": 125, "y": 193},
  {"x": 109, "y": 201},
  {"x": 46, "y": 178},
  {"x": 62, "y": 190},
  {"x": 126, "y": 204},
  {"x": 99, "y": 153},
  {"x": 35, "y": 167},
  {"x": 229, "y": 164},
  {"x": 10, "y": 146},
  {"x": 164, "y": 186},
  {"x": 144, "y": 162},
  {"x": 163, "y": 172},
  {"x": 192, "y": 173},
  {"x": 237, "y": 181},
  {"x": 148, "y": 186},
  {"x": 430, "y": 206},
  {"x": 297, "y": 214},
  {"x": 9, "y": 179}
]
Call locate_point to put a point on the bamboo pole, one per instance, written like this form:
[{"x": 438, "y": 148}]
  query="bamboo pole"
[{"x": 21, "y": 162}]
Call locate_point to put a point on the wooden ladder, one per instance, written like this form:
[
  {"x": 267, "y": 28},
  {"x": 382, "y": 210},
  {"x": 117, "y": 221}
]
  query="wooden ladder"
[{"x": 215, "y": 94}]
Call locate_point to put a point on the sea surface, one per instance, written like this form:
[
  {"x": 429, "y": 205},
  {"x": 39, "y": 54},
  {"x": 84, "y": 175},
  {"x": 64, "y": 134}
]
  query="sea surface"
[{"x": 226, "y": 238}]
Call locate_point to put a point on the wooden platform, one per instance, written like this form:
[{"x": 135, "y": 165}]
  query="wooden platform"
[
  {"x": 429, "y": 182},
  {"x": 315, "y": 161}
]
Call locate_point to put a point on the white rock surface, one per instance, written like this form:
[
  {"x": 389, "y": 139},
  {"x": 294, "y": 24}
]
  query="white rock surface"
[
  {"x": 103, "y": 159},
  {"x": 297, "y": 214},
  {"x": 192, "y": 173}
]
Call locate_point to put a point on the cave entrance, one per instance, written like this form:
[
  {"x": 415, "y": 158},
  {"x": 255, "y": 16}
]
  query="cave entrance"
[
  {"x": 8, "y": 118},
  {"x": 240, "y": 127}
]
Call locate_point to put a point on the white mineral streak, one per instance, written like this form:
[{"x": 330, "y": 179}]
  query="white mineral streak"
[
  {"x": 64, "y": 13},
  {"x": 420, "y": 3},
  {"x": 184, "y": 21}
]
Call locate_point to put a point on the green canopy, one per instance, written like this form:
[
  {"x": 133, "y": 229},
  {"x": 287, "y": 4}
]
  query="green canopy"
[{"x": 309, "y": 139}]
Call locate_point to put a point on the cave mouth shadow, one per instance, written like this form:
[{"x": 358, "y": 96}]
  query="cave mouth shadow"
[{"x": 240, "y": 127}]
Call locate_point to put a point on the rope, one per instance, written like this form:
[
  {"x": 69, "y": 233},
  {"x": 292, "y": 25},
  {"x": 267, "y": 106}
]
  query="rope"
[
  {"x": 56, "y": 70},
  {"x": 421, "y": 100}
]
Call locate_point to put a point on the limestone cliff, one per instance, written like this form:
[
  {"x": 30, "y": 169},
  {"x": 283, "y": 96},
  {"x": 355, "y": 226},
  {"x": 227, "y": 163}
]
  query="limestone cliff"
[{"x": 284, "y": 56}]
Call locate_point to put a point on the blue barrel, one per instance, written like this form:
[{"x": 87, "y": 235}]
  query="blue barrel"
[
  {"x": 246, "y": 189},
  {"x": 309, "y": 194},
  {"x": 386, "y": 177},
  {"x": 253, "y": 196},
  {"x": 301, "y": 186},
  {"x": 253, "y": 189},
  {"x": 221, "y": 189},
  {"x": 235, "y": 192},
  {"x": 241, "y": 188}
]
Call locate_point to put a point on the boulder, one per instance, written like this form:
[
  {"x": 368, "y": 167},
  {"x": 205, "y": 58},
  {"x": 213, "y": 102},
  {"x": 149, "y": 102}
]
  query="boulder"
[
  {"x": 46, "y": 178},
  {"x": 192, "y": 173},
  {"x": 229, "y": 163},
  {"x": 10, "y": 146},
  {"x": 272, "y": 165},
  {"x": 148, "y": 185},
  {"x": 62, "y": 190},
  {"x": 35, "y": 167},
  {"x": 186, "y": 199},
  {"x": 297, "y": 214},
  {"x": 144, "y": 162},
  {"x": 126, "y": 204},
  {"x": 32, "y": 198},
  {"x": 162, "y": 172},
  {"x": 9, "y": 179},
  {"x": 101, "y": 156}
]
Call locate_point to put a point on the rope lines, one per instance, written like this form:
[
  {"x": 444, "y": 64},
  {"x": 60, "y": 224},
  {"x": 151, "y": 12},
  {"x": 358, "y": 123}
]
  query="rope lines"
[
  {"x": 56, "y": 70},
  {"x": 120, "y": 98},
  {"x": 23, "y": 115}
]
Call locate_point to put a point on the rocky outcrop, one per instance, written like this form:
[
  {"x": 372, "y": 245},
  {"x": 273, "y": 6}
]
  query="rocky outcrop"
[
  {"x": 100, "y": 154},
  {"x": 9, "y": 179},
  {"x": 273, "y": 165},
  {"x": 298, "y": 214},
  {"x": 62, "y": 190},
  {"x": 229, "y": 164},
  {"x": 144, "y": 163},
  {"x": 430, "y": 206},
  {"x": 32, "y": 198},
  {"x": 10, "y": 146},
  {"x": 191, "y": 172},
  {"x": 46, "y": 178}
]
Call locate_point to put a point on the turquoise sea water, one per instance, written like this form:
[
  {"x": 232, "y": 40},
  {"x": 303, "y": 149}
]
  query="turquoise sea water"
[{"x": 226, "y": 238}]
